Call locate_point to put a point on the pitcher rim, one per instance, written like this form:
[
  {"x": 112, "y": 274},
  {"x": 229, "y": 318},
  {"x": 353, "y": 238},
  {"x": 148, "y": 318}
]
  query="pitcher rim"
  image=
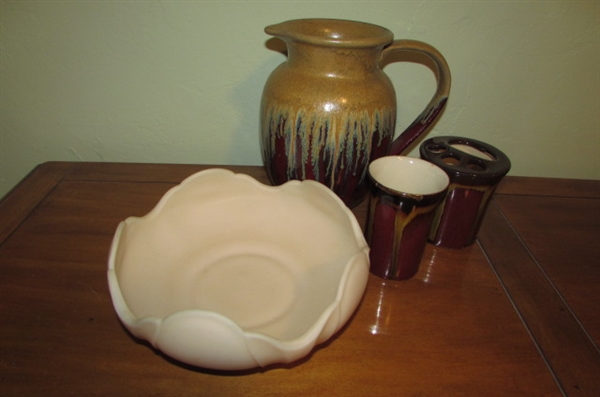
[{"x": 319, "y": 31}]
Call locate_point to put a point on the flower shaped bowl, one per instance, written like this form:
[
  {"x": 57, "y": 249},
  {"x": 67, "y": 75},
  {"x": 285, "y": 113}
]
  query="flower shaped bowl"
[{"x": 227, "y": 273}]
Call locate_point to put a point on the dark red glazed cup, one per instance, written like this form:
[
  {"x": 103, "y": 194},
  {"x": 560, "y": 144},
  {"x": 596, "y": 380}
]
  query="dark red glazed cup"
[
  {"x": 475, "y": 168},
  {"x": 405, "y": 193}
]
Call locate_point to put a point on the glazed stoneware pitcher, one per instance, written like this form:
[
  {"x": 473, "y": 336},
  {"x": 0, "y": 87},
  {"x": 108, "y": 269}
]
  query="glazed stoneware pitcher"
[{"x": 329, "y": 110}]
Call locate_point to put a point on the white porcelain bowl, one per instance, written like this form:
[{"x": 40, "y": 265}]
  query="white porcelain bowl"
[{"x": 228, "y": 273}]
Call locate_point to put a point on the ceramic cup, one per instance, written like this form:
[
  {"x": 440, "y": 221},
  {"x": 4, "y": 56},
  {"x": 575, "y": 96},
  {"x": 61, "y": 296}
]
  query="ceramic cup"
[
  {"x": 405, "y": 193},
  {"x": 475, "y": 168}
]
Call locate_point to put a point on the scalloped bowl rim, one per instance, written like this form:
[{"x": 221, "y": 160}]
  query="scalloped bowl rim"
[{"x": 255, "y": 349}]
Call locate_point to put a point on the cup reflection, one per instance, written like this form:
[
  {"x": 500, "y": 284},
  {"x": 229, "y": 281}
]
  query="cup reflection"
[{"x": 384, "y": 310}]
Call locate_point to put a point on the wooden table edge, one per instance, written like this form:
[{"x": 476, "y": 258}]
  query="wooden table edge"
[
  {"x": 552, "y": 187},
  {"x": 19, "y": 202}
]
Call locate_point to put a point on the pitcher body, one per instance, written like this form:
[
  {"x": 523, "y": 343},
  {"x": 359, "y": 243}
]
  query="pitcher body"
[{"x": 329, "y": 110}]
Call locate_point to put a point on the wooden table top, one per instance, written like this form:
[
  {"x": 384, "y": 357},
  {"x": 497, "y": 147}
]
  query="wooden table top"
[{"x": 515, "y": 314}]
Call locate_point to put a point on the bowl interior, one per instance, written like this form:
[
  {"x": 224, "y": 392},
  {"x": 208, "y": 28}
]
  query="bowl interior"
[{"x": 270, "y": 259}]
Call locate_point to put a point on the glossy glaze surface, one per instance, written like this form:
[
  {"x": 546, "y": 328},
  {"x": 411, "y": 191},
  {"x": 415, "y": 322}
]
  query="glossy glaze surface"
[
  {"x": 475, "y": 168},
  {"x": 329, "y": 110},
  {"x": 404, "y": 195}
]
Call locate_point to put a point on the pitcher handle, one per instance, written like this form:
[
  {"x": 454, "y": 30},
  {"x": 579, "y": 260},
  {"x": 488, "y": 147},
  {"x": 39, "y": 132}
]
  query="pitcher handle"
[{"x": 437, "y": 102}]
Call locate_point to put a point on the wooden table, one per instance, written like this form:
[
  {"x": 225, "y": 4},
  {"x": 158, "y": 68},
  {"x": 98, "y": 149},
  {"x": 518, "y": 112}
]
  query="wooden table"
[{"x": 515, "y": 314}]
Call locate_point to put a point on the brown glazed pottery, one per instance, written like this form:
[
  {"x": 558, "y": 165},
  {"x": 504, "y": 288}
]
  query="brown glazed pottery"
[
  {"x": 329, "y": 110},
  {"x": 475, "y": 168},
  {"x": 405, "y": 193}
]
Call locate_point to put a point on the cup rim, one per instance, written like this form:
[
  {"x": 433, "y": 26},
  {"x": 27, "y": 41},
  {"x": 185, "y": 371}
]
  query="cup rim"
[{"x": 414, "y": 162}]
